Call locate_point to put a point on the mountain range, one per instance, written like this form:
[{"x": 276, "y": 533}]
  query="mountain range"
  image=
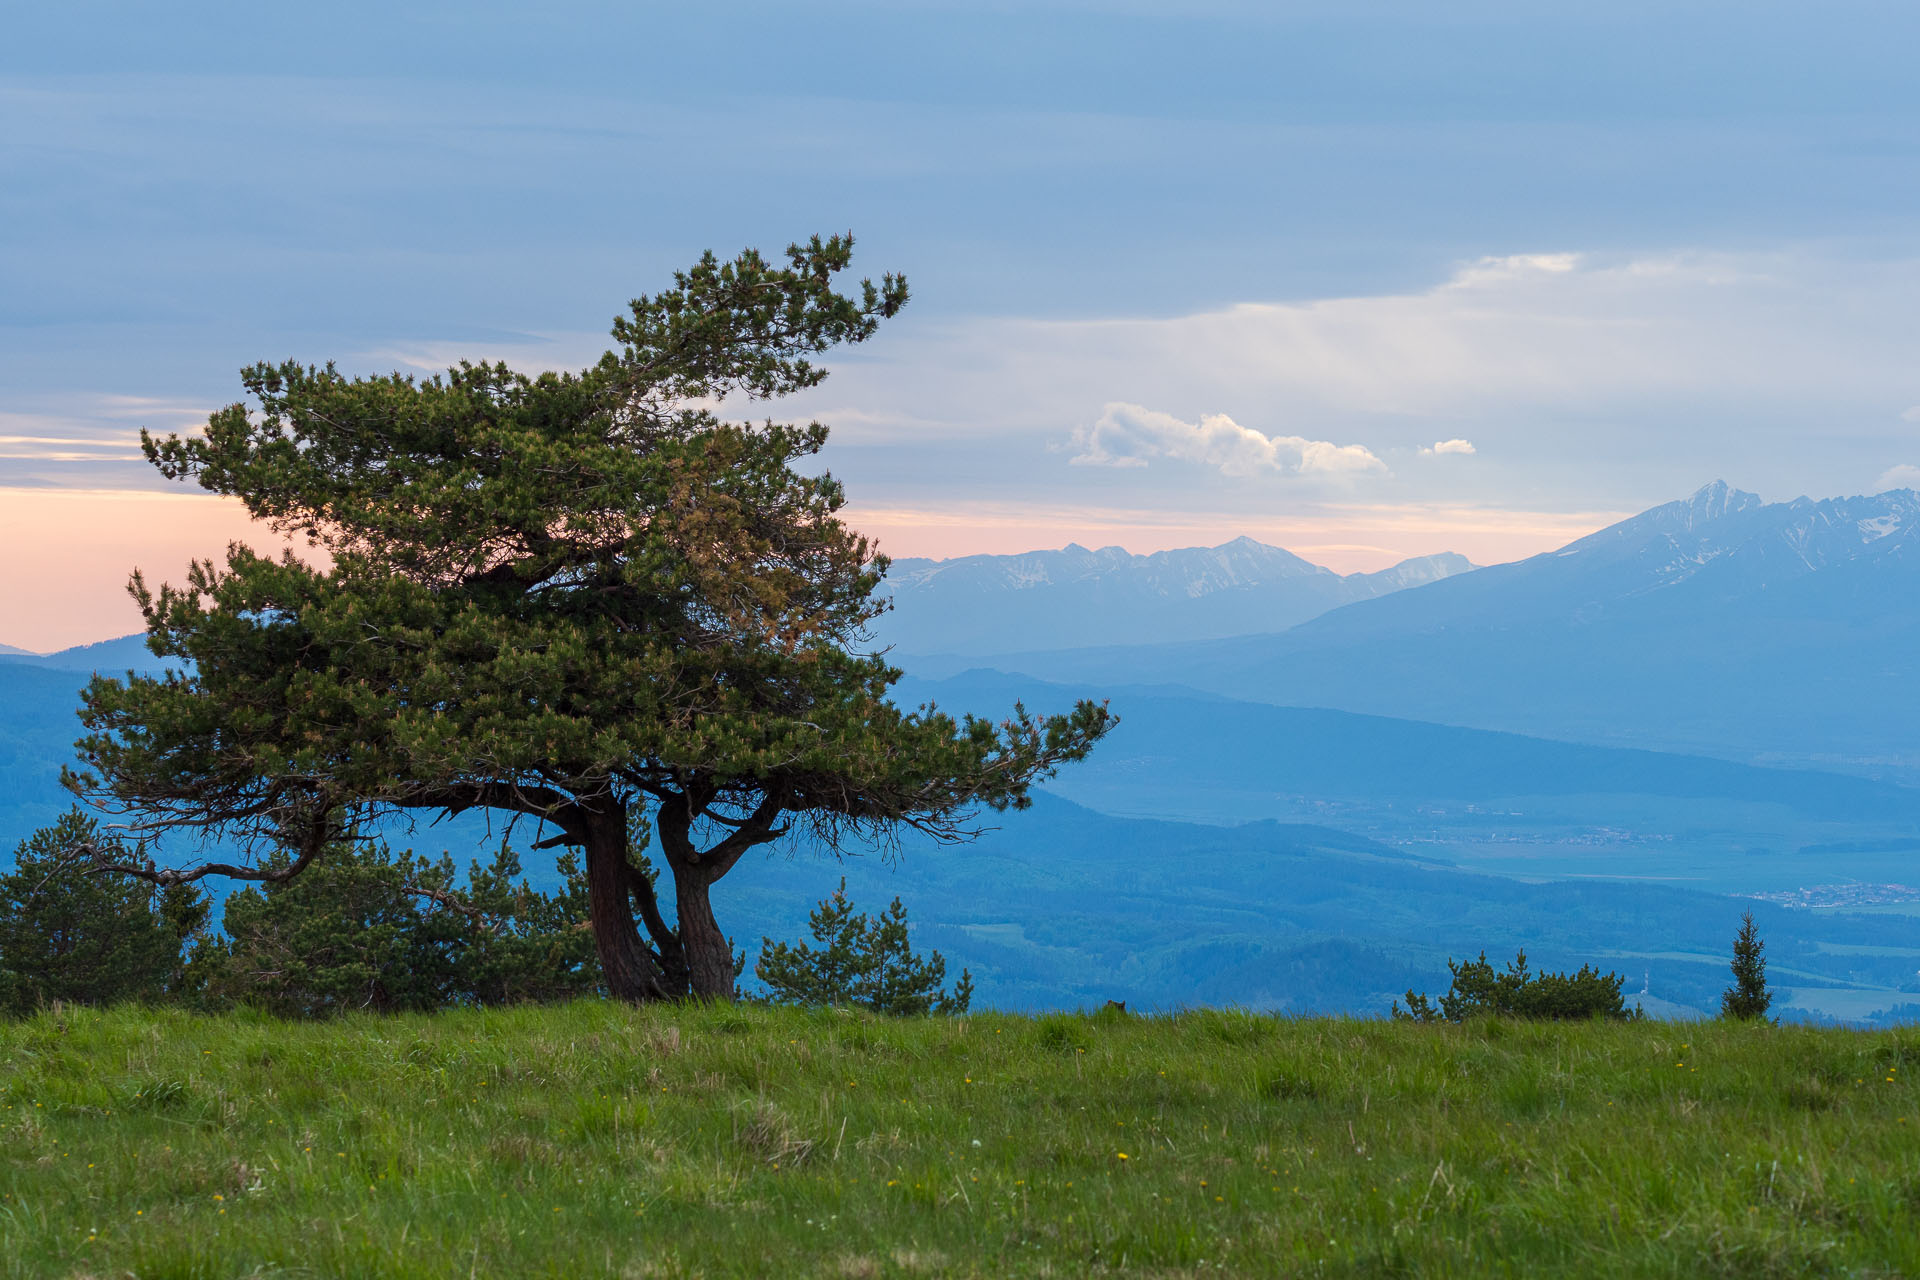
[
  {"x": 1442, "y": 758},
  {"x": 1076, "y": 597},
  {"x": 1718, "y": 624}
]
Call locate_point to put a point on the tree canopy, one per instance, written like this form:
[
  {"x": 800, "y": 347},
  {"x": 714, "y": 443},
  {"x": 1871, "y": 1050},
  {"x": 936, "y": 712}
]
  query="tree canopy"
[{"x": 585, "y": 599}]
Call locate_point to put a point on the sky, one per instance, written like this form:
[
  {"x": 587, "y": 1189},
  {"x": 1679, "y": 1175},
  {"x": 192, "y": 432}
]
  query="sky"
[{"x": 1364, "y": 280}]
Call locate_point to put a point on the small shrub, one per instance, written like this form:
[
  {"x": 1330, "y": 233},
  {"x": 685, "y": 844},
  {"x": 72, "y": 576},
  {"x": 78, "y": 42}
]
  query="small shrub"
[
  {"x": 367, "y": 928},
  {"x": 1478, "y": 989},
  {"x": 865, "y": 963}
]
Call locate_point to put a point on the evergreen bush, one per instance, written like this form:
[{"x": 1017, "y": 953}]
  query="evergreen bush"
[
  {"x": 371, "y": 929},
  {"x": 70, "y": 934},
  {"x": 865, "y": 963},
  {"x": 1478, "y": 990}
]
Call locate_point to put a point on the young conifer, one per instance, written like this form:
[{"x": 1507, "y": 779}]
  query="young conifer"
[
  {"x": 1748, "y": 997},
  {"x": 861, "y": 962},
  {"x": 69, "y": 934}
]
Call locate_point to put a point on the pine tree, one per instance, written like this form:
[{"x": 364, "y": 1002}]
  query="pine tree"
[
  {"x": 1748, "y": 998},
  {"x": 569, "y": 597},
  {"x": 368, "y": 928},
  {"x": 70, "y": 933},
  {"x": 1480, "y": 990},
  {"x": 861, "y": 962}
]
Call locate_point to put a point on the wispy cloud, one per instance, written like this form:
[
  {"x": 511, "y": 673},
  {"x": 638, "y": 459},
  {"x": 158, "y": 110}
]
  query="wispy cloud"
[
  {"x": 530, "y": 353},
  {"x": 1127, "y": 435},
  {"x": 86, "y": 441},
  {"x": 1455, "y": 445}
]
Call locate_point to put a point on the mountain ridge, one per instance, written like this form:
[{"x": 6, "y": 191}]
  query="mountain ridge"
[
  {"x": 1718, "y": 625},
  {"x": 1077, "y": 595},
  {"x": 114, "y": 657}
]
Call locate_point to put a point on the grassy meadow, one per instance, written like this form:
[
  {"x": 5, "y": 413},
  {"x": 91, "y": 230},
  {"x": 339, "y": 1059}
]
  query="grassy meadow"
[{"x": 593, "y": 1139}]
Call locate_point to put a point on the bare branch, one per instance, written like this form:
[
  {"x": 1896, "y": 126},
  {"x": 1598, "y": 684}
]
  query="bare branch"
[
  {"x": 91, "y": 852},
  {"x": 457, "y": 904}
]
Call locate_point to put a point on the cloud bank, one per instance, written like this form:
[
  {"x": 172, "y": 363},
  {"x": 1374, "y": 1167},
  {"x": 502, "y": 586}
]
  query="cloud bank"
[
  {"x": 1901, "y": 476},
  {"x": 1582, "y": 379},
  {"x": 1127, "y": 435}
]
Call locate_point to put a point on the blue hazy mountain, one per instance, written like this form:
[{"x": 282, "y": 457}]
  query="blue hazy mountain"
[
  {"x": 1717, "y": 624},
  {"x": 1182, "y": 754},
  {"x": 39, "y": 698},
  {"x": 1063, "y": 905},
  {"x": 37, "y": 729},
  {"x": 1075, "y": 597},
  {"x": 109, "y": 657}
]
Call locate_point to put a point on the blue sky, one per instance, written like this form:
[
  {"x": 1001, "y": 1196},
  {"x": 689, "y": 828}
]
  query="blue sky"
[{"x": 1180, "y": 272}]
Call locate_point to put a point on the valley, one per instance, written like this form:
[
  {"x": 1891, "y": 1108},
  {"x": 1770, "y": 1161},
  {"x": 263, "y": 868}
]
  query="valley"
[{"x": 1223, "y": 847}]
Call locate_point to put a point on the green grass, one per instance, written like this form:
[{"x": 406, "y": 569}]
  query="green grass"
[{"x": 593, "y": 1139}]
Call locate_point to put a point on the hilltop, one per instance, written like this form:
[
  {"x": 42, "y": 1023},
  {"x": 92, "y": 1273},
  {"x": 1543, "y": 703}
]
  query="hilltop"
[{"x": 596, "y": 1139}]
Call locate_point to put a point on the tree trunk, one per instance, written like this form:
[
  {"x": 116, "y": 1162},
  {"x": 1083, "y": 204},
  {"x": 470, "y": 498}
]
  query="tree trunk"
[
  {"x": 630, "y": 969},
  {"x": 709, "y": 954},
  {"x": 666, "y": 940}
]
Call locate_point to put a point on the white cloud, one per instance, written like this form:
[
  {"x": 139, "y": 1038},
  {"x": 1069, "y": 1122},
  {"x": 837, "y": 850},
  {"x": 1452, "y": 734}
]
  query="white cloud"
[
  {"x": 97, "y": 437},
  {"x": 1583, "y": 379},
  {"x": 1128, "y": 435},
  {"x": 1903, "y": 476},
  {"x": 1513, "y": 267},
  {"x": 1502, "y": 341}
]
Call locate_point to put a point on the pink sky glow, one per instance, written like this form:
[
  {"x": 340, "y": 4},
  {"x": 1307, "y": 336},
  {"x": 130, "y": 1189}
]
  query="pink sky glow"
[
  {"x": 73, "y": 550},
  {"x": 1347, "y": 539}
]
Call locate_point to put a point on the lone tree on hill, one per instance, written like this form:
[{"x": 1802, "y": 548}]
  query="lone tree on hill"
[
  {"x": 1748, "y": 997},
  {"x": 584, "y": 599}
]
